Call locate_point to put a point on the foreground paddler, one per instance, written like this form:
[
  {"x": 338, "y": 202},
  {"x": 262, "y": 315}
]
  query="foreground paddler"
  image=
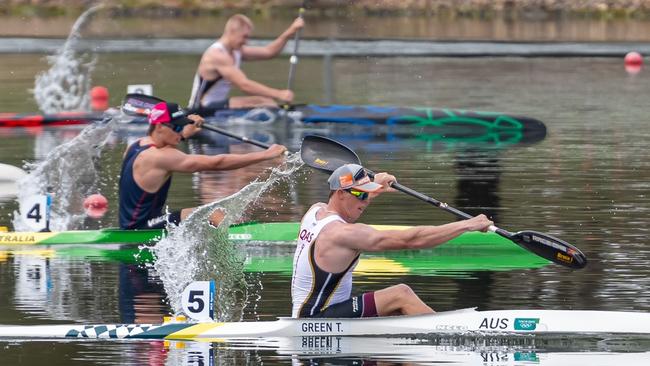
[
  {"x": 330, "y": 243},
  {"x": 149, "y": 163}
]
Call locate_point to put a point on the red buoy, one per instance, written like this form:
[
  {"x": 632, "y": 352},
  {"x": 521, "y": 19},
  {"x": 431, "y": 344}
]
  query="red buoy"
[
  {"x": 96, "y": 205},
  {"x": 633, "y": 62}
]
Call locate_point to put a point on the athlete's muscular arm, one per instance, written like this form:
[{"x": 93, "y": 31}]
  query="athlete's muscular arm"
[
  {"x": 173, "y": 160},
  {"x": 365, "y": 238},
  {"x": 240, "y": 80},
  {"x": 274, "y": 48}
]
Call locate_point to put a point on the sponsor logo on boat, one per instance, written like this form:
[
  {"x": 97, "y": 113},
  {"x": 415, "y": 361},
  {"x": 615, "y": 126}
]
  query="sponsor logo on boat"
[
  {"x": 17, "y": 238},
  {"x": 244, "y": 236},
  {"x": 494, "y": 323},
  {"x": 321, "y": 327},
  {"x": 526, "y": 323}
]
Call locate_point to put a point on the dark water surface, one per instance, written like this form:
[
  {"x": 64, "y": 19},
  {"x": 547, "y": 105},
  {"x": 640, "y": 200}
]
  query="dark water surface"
[{"x": 586, "y": 182}]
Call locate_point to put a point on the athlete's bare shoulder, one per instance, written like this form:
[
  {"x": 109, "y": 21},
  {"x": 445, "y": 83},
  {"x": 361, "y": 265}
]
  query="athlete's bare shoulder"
[
  {"x": 214, "y": 59},
  {"x": 220, "y": 55}
]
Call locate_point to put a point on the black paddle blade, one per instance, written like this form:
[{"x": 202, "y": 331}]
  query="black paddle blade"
[
  {"x": 326, "y": 154},
  {"x": 555, "y": 250},
  {"x": 139, "y": 104}
]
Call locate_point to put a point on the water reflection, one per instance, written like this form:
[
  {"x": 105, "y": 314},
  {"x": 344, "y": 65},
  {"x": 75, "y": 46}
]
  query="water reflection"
[
  {"x": 141, "y": 295},
  {"x": 478, "y": 175},
  {"x": 339, "y": 351},
  {"x": 53, "y": 285}
]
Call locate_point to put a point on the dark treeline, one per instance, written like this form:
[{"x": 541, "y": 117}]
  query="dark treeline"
[{"x": 509, "y": 9}]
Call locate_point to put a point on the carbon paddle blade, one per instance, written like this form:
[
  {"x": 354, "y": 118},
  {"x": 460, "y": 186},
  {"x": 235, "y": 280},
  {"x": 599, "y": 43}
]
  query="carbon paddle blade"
[
  {"x": 139, "y": 104},
  {"x": 326, "y": 154},
  {"x": 555, "y": 250}
]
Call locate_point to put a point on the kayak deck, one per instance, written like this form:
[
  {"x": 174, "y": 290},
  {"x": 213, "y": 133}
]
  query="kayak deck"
[{"x": 262, "y": 232}]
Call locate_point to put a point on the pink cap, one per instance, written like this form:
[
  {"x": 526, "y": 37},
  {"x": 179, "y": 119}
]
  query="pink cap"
[{"x": 164, "y": 112}]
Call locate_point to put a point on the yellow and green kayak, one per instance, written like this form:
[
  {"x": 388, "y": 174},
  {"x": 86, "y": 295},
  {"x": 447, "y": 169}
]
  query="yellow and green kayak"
[{"x": 252, "y": 231}]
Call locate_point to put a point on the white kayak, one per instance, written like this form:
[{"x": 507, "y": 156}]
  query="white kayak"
[{"x": 460, "y": 322}]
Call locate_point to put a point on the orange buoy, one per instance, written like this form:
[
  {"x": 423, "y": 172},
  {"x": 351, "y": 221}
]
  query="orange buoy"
[{"x": 99, "y": 98}]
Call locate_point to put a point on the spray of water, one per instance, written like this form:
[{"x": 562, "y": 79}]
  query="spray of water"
[
  {"x": 65, "y": 85},
  {"x": 198, "y": 251},
  {"x": 68, "y": 174}
]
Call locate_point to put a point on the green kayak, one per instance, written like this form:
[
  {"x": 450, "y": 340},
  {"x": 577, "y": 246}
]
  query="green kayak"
[{"x": 253, "y": 231}]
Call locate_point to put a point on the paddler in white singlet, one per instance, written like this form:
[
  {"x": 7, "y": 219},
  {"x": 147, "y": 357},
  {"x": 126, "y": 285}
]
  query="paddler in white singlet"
[
  {"x": 330, "y": 242},
  {"x": 219, "y": 69}
]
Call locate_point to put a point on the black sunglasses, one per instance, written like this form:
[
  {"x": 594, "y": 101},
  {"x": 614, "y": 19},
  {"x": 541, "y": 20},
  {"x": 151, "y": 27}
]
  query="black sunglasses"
[{"x": 175, "y": 128}]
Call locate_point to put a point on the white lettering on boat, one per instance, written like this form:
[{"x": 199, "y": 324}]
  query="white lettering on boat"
[
  {"x": 451, "y": 328},
  {"x": 156, "y": 220},
  {"x": 240, "y": 236}
]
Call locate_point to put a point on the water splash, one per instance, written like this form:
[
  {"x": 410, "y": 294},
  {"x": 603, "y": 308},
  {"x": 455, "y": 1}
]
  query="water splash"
[
  {"x": 68, "y": 174},
  {"x": 65, "y": 85},
  {"x": 197, "y": 251}
]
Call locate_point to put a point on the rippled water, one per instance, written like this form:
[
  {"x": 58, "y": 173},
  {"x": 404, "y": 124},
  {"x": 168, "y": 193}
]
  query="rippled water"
[{"x": 586, "y": 182}]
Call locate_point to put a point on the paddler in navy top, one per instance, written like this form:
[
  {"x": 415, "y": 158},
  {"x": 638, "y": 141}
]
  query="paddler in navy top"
[
  {"x": 330, "y": 243},
  {"x": 149, "y": 163},
  {"x": 219, "y": 69}
]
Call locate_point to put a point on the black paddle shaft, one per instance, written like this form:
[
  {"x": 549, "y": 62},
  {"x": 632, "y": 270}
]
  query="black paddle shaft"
[
  {"x": 441, "y": 205},
  {"x": 427, "y": 199}
]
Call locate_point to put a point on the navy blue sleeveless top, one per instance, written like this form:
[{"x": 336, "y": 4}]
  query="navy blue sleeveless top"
[{"x": 136, "y": 205}]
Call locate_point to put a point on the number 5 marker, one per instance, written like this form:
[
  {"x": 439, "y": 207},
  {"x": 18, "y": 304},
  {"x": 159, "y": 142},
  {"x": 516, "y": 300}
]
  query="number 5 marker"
[{"x": 198, "y": 300}]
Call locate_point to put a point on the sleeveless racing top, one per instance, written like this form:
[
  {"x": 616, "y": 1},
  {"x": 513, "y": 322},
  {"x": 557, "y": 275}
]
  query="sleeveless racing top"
[
  {"x": 206, "y": 91},
  {"x": 313, "y": 289},
  {"x": 136, "y": 205}
]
